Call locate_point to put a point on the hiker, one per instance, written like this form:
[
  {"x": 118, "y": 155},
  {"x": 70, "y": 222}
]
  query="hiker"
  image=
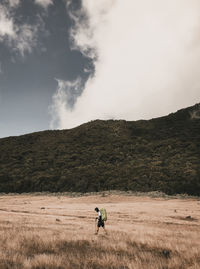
[{"x": 100, "y": 222}]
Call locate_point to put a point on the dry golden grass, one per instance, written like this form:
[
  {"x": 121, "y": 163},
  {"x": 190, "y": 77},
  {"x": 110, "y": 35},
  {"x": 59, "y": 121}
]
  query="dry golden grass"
[{"x": 49, "y": 232}]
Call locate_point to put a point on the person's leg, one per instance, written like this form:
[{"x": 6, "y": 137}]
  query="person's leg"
[
  {"x": 97, "y": 227},
  {"x": 104, "y": 228}
]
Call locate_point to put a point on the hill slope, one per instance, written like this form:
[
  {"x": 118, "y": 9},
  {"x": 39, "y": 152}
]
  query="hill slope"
[{"x": 159, "y": 154}]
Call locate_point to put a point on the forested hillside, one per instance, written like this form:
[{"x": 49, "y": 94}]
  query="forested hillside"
[{"x": 159, "y": 154}]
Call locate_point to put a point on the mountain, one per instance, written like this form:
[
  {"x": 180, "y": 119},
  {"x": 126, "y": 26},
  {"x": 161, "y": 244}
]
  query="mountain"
[{"x": 159, "y": 154}]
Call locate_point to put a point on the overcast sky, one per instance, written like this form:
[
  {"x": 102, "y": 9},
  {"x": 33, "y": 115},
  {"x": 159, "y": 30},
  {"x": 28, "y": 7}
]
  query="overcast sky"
[{"x": 63, "y": 63}]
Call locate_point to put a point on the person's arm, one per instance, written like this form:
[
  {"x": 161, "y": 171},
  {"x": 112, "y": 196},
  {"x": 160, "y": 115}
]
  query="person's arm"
[{"x": 99, "y": 215}]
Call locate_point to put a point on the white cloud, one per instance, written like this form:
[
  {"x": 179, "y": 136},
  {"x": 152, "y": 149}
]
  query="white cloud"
[
  {"x": 25, "y": 39},
  {"x": 146, "y": 55},
  {"x": 63, "y": 100},
  {"x": 44, "y": 3},
  {"x": 14, "y": 3},
  {"x": 6, "y": 23},
  {"x": 20, "y": 38}
]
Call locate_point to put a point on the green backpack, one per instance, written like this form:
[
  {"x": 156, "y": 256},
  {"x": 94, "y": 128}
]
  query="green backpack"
[{"x": 103, "y": 214}]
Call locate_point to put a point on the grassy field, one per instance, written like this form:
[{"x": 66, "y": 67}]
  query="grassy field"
[{"x": 51, "y": 232}]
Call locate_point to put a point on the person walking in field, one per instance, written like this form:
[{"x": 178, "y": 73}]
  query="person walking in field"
[{"x": 102, "y": 217}]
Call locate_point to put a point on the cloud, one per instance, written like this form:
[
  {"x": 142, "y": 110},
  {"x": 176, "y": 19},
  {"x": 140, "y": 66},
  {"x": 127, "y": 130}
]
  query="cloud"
[
  {"x": 44, "y": 3},
  {"x": 14, "y": 3},
  {"x": 63, "y": 101},
  {"x": 19, "y": 38},
  {"x": 25, "y": 39},
  {"x": 6, "y": 24},
  {"x": 146, "y": 55}
]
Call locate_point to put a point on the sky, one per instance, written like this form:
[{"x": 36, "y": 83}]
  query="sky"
[{"x": 67, "y": 62}]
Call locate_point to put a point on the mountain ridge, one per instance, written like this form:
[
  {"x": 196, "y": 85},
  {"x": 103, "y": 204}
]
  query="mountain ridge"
[{"x": 161, "y": 154}]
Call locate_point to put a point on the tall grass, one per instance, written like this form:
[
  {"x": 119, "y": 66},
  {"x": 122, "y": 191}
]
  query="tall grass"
[{"x": 38, "y": 241}]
